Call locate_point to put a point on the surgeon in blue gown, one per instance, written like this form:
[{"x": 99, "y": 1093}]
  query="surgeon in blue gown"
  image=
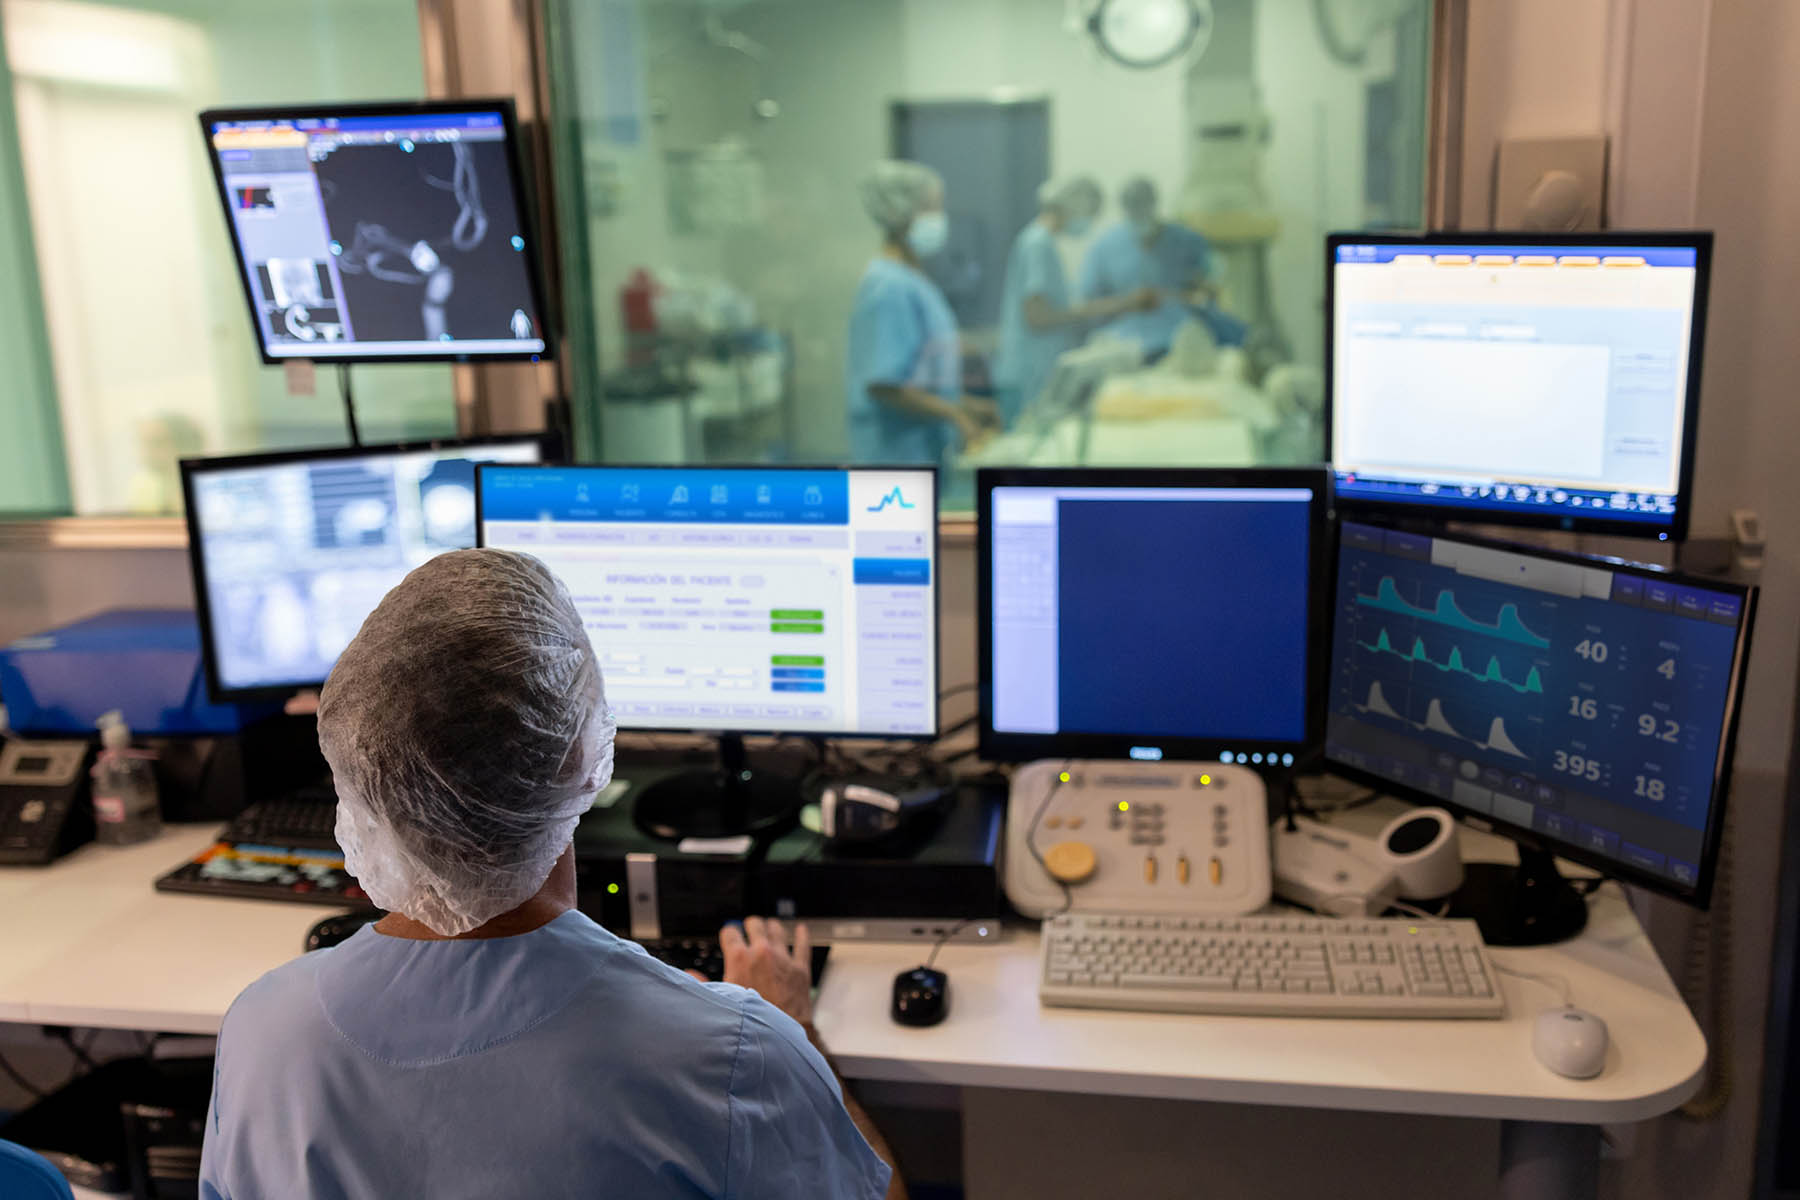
[
  {"x": 1144, "y": 250},
  {"x": 903, "y": 366},
  {"x": 1038, "y": 320},
  {"x": 485, "y": 1038}
]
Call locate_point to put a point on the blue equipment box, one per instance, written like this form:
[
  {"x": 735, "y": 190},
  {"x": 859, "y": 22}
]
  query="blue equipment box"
[{"x": 145, "y": 662}]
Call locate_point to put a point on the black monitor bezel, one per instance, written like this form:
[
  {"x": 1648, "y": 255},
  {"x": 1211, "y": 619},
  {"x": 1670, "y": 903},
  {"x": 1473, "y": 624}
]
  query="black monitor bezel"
[
  {"x": 397, "y": 108},
  {"x": 548, "y": 448},
  {"x": 937, "y": 590},
  {"x": 1003, "y": 746},
  {"x": 1701, "y": 894},
  {"x": 1676, "y": 529}
]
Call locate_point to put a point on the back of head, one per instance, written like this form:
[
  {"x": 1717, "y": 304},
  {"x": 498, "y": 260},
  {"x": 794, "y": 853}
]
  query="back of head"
[
  {"x": 467, "y": 731},
  {"x": 1138, "y": 200},
  {"x": 895, "y": 191}
]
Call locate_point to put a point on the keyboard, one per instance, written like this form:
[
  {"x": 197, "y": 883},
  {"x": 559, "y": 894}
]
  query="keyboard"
[
  {"x": 1272, "y": 966},
  {"x": 302, "y": 820},
  {"x": 702, "y": 954}
]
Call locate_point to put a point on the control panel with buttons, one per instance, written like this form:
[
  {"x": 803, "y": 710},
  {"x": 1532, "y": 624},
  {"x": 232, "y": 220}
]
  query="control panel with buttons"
[
  {"x": 44, "y": 808},
  {"x": 1146, "y": 837}
]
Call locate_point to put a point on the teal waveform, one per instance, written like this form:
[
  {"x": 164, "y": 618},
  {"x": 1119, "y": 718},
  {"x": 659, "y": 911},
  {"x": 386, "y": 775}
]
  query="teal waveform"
[
  {"x": 1493, "y": 674},
  {"x": 1508, "y": 625}
]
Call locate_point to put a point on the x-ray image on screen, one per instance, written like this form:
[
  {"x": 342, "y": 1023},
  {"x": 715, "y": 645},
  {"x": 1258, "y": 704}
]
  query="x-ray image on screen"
[
  {"x": 293, "y": 551},
  {"x": 380, "y": 231},
  {"x": 424, "y": 259}
]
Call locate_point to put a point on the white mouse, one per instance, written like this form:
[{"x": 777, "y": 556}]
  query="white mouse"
[{"x": 1570, "y": 1041}]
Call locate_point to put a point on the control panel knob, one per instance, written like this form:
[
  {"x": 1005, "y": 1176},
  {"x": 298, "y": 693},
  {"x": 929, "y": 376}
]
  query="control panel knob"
[{"x": 1070, "y": 862}]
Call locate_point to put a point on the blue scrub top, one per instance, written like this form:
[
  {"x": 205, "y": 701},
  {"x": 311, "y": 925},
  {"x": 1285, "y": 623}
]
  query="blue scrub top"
[
  {"x": 1027, "y": 356},
  {"x": 902, "y": 333},
  {"x": 1118, "y": 262},
  {"x": 560, "y": 1062}
]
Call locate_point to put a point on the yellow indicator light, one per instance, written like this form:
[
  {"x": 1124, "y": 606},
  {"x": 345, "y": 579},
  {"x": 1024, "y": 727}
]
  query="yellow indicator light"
[
  {"x": 1206, "y": 781},
  {"x": 1124, "y": 806},
  {"x": 1063, "y": 778},
  {"x": 612, "y": 889},
  {"x": 1412, "y": 929}
]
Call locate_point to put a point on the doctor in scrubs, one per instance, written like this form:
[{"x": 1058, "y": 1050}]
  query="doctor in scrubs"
[
  {"x": 903, "y": 370},
  {"x": 1038, "y": 322},
  {"x": 1144, "y": 251},
  {"x": 485, "y": 1038}
]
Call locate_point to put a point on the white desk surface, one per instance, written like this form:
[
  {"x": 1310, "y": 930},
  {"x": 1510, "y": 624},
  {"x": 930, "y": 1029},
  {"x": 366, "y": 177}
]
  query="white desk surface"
[{"x": 87, "y": 942}]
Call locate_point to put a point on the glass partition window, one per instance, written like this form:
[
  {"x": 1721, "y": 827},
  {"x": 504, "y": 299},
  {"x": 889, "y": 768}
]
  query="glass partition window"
[
  {"x": 146, "y": 335},
  {"x": 1097, "y": 238}
]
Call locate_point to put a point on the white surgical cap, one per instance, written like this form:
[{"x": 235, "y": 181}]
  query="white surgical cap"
[
  {"x": 895, "y": 191},
  {"x": 1073, "y": 197},
  {"x": 467, "y": 731}
]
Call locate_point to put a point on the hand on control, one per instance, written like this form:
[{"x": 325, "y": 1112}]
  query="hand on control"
[{"x": 757, "y": 957}]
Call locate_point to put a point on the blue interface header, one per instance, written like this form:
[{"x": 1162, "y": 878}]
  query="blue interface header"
[
  {"x": 396, "y": 122},
  {"x": 666, "y": 494},
  {"x": 1655, "y": 256}
]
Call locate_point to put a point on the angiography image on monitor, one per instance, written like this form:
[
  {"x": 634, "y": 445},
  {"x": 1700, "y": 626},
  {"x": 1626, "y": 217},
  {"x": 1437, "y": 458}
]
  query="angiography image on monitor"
[
  {"x": 380, "y": 232},
  {"x": 292, "y": 551}
]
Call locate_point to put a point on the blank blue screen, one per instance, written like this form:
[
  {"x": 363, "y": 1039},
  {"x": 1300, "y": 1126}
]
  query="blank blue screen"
[{"x": 1183, "y": 619}]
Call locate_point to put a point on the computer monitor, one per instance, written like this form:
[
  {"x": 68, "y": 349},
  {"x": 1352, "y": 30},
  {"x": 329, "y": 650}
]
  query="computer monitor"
[
  {"x": 1151, "y": 613},
  {"x": 735, "y": 600},
  {"x": 1583, "y": 706},
  {"x": 381, "y": 232},
  {"x": 1524, "y": 379},
  {"x": 291, "y": 551}
]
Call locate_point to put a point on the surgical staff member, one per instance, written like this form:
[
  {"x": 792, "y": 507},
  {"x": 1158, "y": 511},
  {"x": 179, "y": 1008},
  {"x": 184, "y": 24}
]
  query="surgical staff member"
[
  {"x": 903, "y": 371},
  {"x": 1146, "y": 251},
  {"x": 485, "y": 1038},
  {"x": 1037, "y": 320}
]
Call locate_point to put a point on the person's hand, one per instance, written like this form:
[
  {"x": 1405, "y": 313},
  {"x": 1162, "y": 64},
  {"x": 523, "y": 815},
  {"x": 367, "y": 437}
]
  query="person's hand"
[
  {"x": 983, "y": 410},
  {"x": 968, "y": 429},
  {"x": 1144, "y": 299},
  {"x": 757, "y": 957}
]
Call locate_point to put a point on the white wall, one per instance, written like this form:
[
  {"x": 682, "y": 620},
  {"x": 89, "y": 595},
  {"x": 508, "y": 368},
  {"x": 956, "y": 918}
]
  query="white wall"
[
  {"x": 1700, "y": 101},
  {"x": 1536, "y": 68}
]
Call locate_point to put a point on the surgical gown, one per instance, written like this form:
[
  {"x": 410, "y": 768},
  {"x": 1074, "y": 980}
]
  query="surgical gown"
[
  {"x": 1027, "y": 356},
  {"x": 560, "y": 1062},
  {"x": 902, "y": 334},
  {"x": 1118, "y": 262}
]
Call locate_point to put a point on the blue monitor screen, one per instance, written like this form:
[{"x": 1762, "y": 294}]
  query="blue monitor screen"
[
  {"x": 1585, "y": 705},
  {"x": 1151, "y": 613},
  {"x": 785, "y": 600},
  {"x": 1549, "y": 384},
  {"x": 367, "y": 235}
]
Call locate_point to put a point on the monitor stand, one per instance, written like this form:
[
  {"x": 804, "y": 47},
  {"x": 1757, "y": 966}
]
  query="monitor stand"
[
  {"x": 728, "y": 800},
  {"x": 1530, "y": 904}
]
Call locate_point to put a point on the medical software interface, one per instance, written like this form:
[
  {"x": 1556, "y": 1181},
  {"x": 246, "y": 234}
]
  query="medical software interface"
[
  {"x": 1548, "y": 380},
  {"x": 1570, "y": 700},
  {"x": 1151, "y": 612},
  {"x": 369, "y": 236},
  {"x": 296, "y": 554},
  {"x": 795, "y": 601}
]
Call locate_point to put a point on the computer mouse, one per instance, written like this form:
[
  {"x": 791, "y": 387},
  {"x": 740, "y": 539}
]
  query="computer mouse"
[
  {"x": 1570, "y": 1041},
  {"x": 921, "y": 996},
  {"x": 337, "y": 927}
]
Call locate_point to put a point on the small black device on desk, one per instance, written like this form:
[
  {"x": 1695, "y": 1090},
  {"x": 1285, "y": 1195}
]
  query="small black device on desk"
[
  {"x": 921, "y": 996},
  {"x": 44, "y": 807}
]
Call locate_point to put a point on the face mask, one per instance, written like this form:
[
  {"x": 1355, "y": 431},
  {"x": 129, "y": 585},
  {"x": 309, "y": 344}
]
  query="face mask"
[{"x": 928, "y": 233}]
